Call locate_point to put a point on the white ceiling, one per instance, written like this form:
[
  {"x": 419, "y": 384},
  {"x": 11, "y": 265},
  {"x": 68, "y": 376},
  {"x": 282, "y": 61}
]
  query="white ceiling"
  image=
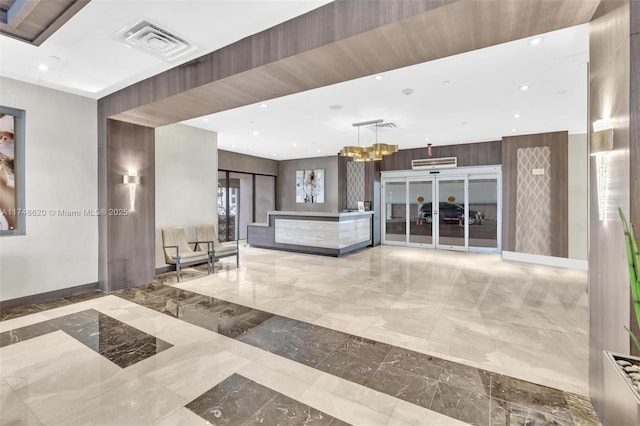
[
  {"x": 470, "y": 97},
  {"x": 93, "y": 64}
]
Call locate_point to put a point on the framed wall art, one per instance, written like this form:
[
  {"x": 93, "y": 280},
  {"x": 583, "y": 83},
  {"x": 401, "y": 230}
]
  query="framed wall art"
[
  {"x": 12, "y": 170},
  {"x": 310, "y": 186}
]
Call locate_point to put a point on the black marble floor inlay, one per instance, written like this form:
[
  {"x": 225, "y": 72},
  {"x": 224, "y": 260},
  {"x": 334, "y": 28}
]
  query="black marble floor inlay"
[
  {"x": 118, "y": 342},
  {"x": 473, "y": 395},
  {"x": 241, "y": 401},
  {"x": 7, "y": 314}
]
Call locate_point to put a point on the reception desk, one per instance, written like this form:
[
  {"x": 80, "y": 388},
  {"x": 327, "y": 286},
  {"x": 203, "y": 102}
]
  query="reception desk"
[{"x": 332, "y": 234}]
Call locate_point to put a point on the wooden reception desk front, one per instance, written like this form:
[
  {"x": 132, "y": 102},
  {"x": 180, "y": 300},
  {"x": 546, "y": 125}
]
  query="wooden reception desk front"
[{"x": 332, "y": 234}]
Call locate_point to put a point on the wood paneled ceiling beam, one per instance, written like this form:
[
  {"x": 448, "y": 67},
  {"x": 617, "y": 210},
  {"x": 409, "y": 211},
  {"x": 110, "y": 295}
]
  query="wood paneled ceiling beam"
[{"x": 337, "y": 42}]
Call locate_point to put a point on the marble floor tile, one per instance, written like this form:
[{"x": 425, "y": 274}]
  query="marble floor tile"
[
  {"x": 181, "y": 417},
  {"x": 197, "y": 372},
  {"x": 389, "y": 335},
  {"x": 70, "y": 385},
  {"x": 118, "y": 342},
  {"x": 409, "y": 414},
  {"x": 379, "y": 402},
  {"x": 137, "y": 402},
  {"x": 14, "y": 410},
  {"x": 34, "y": 359},
  {"x": 240, "y": 401},
  {"x": 24, "y": 333},
  {"x": 17, "y": 312},
  {"x": 346, "y": 410}
]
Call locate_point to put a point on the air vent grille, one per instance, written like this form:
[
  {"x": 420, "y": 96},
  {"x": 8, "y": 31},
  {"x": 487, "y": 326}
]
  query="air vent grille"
[
  {"x": 153, "y": 39},
  {"x": 434, "y": 163},
  {"x": 387, "y": 125}
]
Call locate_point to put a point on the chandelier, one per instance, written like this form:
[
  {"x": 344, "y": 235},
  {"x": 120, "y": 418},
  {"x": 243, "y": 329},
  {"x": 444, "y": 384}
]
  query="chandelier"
[{"x": 374, "y": 152}]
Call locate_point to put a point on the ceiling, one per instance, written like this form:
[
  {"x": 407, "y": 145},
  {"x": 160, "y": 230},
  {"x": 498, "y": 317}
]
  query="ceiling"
[
  {"x": 470, "y": 97},
  {"x": 85, "y": 58}
]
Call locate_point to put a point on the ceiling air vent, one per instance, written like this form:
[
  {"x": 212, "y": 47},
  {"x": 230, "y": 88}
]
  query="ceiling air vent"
[
  {"x": 153, "y": 39},
  {"x": 434, "y": 163},
  {"x": 386, "y": 125}
]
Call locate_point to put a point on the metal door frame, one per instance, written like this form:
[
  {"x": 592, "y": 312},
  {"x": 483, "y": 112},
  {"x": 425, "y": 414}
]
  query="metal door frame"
[{"x": 468, "y": 174}]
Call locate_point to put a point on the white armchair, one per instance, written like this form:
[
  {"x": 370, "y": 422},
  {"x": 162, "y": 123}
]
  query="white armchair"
[
  {"x": 209, "y": 233},
  {"x": 178, "y": 251}
]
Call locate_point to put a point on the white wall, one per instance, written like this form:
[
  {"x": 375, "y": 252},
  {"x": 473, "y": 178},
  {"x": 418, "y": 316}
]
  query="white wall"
[
  {"x": 578, "y": 190},
  {"x": 186, "y": 180},
  {"x": 61, "y": 173}
]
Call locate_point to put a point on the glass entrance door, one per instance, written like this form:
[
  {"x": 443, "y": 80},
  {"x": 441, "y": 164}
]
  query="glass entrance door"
[
  {"x": 420, "y": 214},
  {"x": 395, "y": 212},
  {"x": 451, "y": 213},
  {"x": 452, "y": 210},
  {"x": 485, "y": 208}
]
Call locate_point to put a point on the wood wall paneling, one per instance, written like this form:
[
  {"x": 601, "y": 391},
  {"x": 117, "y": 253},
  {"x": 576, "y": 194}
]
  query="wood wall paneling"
[
  {"x": 470, "y": 154},
  {"x": 342, "y": 183},
  {"x": 634, "y": 134},
  {"x": 236, "y": 162},
  {"x": 337, "y": 42},
  {"x": 127, "y": 241},
  {"x": 558, "y": 141},
  {"x": 609, "y": 97}
]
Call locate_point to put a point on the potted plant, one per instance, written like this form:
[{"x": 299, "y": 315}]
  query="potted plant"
[{"x": 622, "y": 372}]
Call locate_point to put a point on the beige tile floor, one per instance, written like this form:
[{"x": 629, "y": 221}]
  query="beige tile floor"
[
  {"x": 522, "y": 320},
  {"x": 55, "y": 380}
]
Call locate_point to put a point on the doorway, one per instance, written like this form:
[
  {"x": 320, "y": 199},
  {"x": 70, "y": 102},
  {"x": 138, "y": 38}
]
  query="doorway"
[{"x": 451, "y": 209}]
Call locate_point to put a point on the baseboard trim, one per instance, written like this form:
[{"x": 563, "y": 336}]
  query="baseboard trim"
[
  {"x": 49, "y": 295},
  {"x": 163, "y": 269},
  {"x": 561, "y": 262}
]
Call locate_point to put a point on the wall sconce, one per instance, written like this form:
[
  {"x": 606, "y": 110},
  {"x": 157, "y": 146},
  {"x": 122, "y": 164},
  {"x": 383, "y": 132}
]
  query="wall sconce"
[
  {"x": 601, "y": 144},
  {"x": 132, "y": 179}
]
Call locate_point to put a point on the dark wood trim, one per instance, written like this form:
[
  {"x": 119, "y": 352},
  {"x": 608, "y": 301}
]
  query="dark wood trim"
[
  {"x": 337, "y": 42},
  {"x": 342, "y": 183},
  {"x": 165, "y": 269},
  {"x": 468, "y": 154},
  {"x": 75, "y": 7},
  {"x": 253, "y": 196},
  {"x": 49, "y": 295}
]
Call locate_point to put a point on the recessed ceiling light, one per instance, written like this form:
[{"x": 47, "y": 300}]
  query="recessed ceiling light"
[
  {"x": 379, "y": 77},
  {"x": 233, "y": 146},
  {"x": 295, "y": 144},
  {"x": 274, "y": 155},
  {"x": 205, "y": 119},
  {"x": 535, "y": 41},
  {"x": 426, "y": 139},
  {"x": 524, "y": 87},
  {"x": 335, "y": 107},
  {"x": 514, "y": 130},
  {"x": 263, "y": 105},
  {"x": 318, "y": 150},
  {"x": 255, "y": 133},
  {"x": 516, "y": 115},
  {"x": 43, "y": 67}
]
